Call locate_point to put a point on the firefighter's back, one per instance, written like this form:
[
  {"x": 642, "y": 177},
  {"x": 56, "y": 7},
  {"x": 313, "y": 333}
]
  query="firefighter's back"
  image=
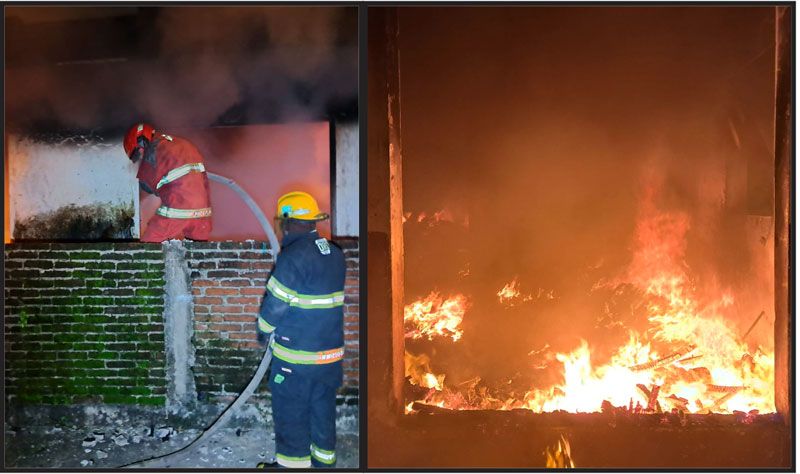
[
  {"x": 315, "y": 323},
  {"x": 191, "y": 190}
]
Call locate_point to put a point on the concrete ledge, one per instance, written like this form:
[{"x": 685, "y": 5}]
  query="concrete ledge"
[{"x": 131, "y": 416}]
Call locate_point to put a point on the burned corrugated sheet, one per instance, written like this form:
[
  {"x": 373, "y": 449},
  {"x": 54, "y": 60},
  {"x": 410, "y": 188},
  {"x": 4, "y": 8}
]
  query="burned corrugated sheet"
[{"x": 84, "y": 223}]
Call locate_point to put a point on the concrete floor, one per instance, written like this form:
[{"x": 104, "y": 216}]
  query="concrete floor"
[
  {"x": 55, "y": 447},
  {"x": 517, "y": 439}
]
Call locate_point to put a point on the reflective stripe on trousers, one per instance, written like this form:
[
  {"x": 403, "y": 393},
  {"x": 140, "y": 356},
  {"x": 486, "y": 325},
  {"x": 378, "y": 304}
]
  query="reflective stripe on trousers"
[
  {"x": 183, "y": 213},
  {"x": 304, "y": 415},
  {"x": 322, "y": 455},
  {"x": 293, "y": 461}
]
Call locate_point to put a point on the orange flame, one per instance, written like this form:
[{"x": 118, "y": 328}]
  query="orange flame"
[
  {"x": 418, "y": 371},
  {"x": 703, "y": 367},
  {"x": 510, "y": 292},
  {"x": 560, "y": 457},
  {"x": 509, "y": 295},
  {"x": 437, "y": 217},
  {"x": 435, "y": 316}
]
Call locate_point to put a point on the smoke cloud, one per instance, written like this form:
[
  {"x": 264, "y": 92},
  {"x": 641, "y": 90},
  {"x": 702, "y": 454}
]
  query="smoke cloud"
[
  {"x": 188, "y": 67},
  {"x": 546, "y": 126}
]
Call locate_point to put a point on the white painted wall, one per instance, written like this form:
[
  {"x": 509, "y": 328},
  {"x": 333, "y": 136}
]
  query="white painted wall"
[
  {"x": 346, "y": 196},
  {"x": 44, "y": 177}
]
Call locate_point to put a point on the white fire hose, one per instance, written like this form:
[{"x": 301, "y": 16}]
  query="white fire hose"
[{"x": 234, "y": 407}]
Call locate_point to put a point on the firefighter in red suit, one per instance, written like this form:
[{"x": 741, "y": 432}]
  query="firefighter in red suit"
[{"x": 172, "y": 169}]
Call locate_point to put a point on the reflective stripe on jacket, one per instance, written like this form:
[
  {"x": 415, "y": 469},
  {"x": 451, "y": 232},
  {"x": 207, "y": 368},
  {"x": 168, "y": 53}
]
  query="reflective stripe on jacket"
[
  {"x": 305, "y": 357},
  {"x": 177, "y": 175},
  {"x": 179, "y": 172}
]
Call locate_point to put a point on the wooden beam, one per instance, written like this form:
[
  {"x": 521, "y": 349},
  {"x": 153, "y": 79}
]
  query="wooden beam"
[
  {"x": 385, "y": 338},
  {"x": 784, "y": 330}
]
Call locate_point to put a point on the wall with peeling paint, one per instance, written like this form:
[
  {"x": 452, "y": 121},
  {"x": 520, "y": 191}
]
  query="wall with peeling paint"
[
  {"x": 85, "y": 189},
  {"x": 76, "y": 189}
]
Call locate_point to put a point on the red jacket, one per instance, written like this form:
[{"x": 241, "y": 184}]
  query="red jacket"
[{"x": 189, "y": 191}]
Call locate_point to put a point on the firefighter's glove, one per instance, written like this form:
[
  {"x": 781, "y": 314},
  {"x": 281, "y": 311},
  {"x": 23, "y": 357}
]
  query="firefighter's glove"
[{"x": 263, "y": 338}]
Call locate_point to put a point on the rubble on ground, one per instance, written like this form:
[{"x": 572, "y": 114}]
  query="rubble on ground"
[{"x": 115, "y": 445}]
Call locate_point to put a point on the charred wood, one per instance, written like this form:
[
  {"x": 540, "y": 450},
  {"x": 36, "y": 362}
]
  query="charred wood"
[{"x": 663, "y": 361}]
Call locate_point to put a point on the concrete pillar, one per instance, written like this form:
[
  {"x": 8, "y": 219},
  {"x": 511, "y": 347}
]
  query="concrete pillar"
[
  {"x": 384, "y": 219},
  {"x": 784, "y": 329},
  {"x": 178, "y": 329},
  {"x": 344, "y": 179}
]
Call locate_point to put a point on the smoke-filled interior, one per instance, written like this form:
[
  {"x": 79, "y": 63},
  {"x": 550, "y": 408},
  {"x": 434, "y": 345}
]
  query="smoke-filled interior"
[
  {"x": 256, "y": 88},
  {"x": 588, "y": 196}
]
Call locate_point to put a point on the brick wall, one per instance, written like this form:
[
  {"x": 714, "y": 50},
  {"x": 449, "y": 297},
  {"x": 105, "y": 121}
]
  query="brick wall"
[
  {"x": 83, "y": 323},
  {"x": 228, "y": 283}
]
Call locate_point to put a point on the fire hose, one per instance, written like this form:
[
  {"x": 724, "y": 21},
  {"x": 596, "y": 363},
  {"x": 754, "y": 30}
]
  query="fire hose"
[{"x": 234, "y": 407}]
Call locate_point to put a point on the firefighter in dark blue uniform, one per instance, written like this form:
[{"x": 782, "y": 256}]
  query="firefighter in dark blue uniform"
[{"x": 303, "y": 306}]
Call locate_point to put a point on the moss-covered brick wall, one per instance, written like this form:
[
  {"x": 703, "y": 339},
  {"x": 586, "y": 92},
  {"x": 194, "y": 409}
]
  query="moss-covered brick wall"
[
  {"x": 84, "y": 323},
  {"x": 228, "y": 284}
]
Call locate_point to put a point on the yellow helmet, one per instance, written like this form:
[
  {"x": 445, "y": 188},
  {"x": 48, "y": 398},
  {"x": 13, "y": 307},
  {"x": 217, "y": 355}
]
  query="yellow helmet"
[{"x": 299, "y": 205}]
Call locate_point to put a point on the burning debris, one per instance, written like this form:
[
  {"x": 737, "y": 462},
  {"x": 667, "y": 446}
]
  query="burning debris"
[
  {"x": 688, "y": 358},
  {"x": 418, "y": 370},
  {"x": 436, "y": 316}
]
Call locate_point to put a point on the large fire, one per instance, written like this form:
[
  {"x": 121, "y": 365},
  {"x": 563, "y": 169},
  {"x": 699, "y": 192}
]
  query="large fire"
[{"x": 690, "y": 358}]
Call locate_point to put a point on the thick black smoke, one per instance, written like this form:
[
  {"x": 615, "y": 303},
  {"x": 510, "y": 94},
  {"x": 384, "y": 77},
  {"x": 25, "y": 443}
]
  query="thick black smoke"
[{"x": 182, "y": 67}]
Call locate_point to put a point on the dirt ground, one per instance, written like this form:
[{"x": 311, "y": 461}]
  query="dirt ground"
[{"x": 69, "y": 447}]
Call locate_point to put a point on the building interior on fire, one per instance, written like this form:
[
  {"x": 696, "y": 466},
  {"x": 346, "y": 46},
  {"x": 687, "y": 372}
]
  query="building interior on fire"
[{"x": 606, "y": 203}]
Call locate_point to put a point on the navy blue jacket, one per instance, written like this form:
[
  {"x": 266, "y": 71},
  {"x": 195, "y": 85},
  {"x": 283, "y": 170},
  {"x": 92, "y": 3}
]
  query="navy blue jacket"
[{"x": 304, "y": 305}]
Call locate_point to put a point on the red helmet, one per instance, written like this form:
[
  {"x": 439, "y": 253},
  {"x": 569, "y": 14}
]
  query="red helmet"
[{"x": 144, "y": 130}]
